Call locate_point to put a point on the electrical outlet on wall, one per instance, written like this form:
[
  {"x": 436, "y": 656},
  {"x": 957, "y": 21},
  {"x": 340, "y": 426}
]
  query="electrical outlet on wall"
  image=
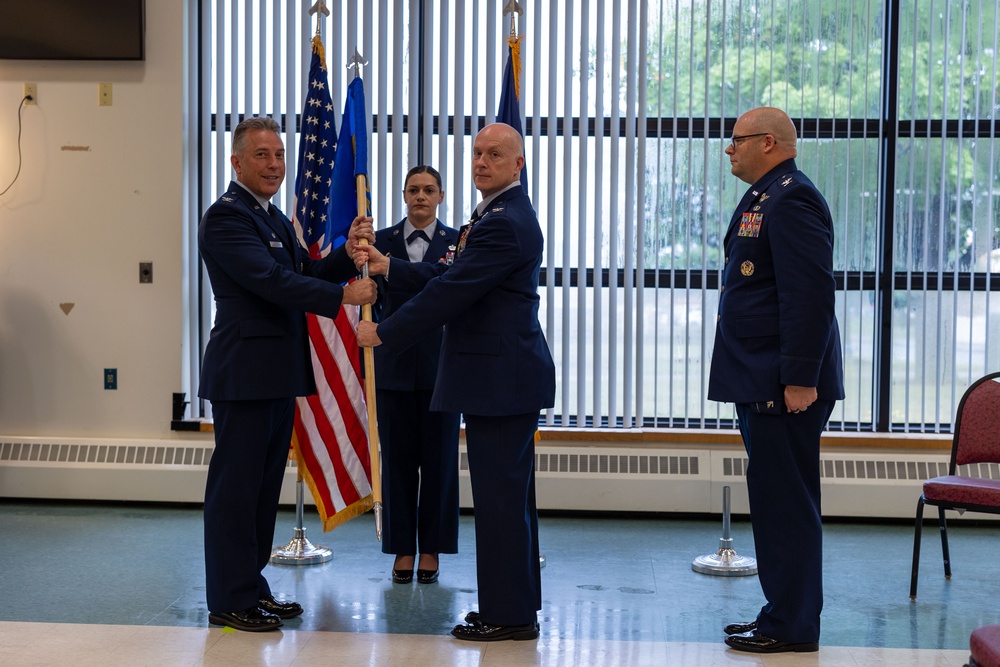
[{"x": 31, "y": 92}]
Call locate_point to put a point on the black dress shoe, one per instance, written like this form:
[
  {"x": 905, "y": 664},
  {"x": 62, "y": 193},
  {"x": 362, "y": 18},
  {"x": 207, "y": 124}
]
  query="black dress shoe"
[
  {"x": 427, "y": 576},
  {"x": 253, "y": 619},
  {"x": 754, "y": 642},
  {"x": 484, "y": 632},
  {"x": 280, "y": 609},
  {"x": 740, "y": 628},
  {"x": 472, "y": 617},
  {"x": 402, "y": 576}
]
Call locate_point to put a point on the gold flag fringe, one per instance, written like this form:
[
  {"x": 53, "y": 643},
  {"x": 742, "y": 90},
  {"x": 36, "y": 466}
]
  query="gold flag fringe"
[
  {"x": 515, "y": 55},
  {"x": 329, "y": 522}
]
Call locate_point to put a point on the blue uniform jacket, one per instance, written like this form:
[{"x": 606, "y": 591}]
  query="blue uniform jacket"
[
  {"x": 776, "y": 324},
  {"x": 264, "y": 282},
  {"x": 418, "y": 368},
  {"x": 494, "y": 358}
]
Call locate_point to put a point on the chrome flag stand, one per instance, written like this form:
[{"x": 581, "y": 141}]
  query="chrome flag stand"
[
  {"x": 300, "y": 551},
  {"x": 725, "y": 562}
]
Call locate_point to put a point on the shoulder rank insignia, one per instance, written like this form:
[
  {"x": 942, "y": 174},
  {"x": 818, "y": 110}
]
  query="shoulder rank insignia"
[
  {"x": 746, "y": 268},
  {"x": 227, "y": 199},
  {"x": 750, "y": 225},
  {"x": 785, "y": 182}
]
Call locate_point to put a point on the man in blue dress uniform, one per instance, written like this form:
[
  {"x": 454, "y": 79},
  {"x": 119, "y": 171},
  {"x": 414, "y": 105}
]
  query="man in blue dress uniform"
[
  {"x": 495, "y": 368},
  {"x": 777, "y": 356},
  {"x": 256, "y": 362}
]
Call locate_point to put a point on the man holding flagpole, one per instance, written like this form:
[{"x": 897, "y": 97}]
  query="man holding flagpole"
[
  {"x": 495, "y": 369},
  {"x": 256, "y": 362}
]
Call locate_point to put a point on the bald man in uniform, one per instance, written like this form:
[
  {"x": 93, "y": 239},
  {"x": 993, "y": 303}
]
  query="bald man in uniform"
[
  {"x": 495, "y": 369},
  {"x": 777, "y": 356}
]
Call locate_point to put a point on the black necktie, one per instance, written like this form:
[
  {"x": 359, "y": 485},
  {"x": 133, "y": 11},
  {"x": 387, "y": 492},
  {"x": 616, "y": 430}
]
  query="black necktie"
[{"x": 417, "y": 234}]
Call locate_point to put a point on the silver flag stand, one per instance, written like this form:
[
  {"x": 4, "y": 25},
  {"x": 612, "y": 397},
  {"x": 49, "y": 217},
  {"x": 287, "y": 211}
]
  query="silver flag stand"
[
  {"x": 300, "y": 551},
  {"x": 725, "y": 562}
]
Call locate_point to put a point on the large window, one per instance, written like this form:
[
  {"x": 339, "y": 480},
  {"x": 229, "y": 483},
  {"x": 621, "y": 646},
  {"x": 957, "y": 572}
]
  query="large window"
[{"x": 627, "y": 109}]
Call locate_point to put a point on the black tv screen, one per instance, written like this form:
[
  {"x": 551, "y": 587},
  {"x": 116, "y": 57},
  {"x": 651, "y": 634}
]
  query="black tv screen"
[{"x": 72, "y": 29}]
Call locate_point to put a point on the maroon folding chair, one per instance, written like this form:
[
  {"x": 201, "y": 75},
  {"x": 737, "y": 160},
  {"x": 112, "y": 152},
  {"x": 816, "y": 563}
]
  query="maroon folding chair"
[
  {"x": 976, "y": 440},
  {"x": 984, "y": 644}
]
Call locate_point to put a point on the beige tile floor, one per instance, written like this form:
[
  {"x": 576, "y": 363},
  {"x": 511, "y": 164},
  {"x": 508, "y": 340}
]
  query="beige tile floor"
[{"x": 71, "y": 644}]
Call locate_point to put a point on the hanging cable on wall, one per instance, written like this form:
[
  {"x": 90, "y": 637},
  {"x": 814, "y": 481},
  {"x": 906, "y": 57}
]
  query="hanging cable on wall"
[{"x": 26, "y": 98}]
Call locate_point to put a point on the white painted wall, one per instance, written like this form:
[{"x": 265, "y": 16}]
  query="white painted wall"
[{"x": 100, "y": 190}]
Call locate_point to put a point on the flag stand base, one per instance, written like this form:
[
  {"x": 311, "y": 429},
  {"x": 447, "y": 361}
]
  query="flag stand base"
[
  {"x": 300, "y": 551},
  {"x": 725, "y": 562}
]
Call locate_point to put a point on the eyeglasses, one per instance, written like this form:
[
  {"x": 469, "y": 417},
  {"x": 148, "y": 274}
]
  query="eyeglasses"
[{"x": 734, "y": 139}]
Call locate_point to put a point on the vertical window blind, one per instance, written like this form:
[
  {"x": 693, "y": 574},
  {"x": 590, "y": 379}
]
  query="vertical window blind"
[{"x": 627, "y": 109}]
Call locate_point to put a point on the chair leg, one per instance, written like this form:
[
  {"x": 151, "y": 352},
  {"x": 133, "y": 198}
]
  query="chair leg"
[
  {"x": 916, "y": 548},
  {"x": 944, "y": 543}
]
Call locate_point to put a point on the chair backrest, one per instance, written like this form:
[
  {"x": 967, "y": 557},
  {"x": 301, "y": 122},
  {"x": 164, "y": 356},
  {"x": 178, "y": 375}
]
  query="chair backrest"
[{"x": 977, "y": 424}]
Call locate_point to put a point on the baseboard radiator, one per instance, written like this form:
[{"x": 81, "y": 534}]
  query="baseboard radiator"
[{"x": 586, "y": 477}]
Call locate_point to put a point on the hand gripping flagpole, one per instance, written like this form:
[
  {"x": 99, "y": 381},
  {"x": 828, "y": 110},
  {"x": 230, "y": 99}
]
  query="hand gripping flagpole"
[{"x": 360, "y": 186}]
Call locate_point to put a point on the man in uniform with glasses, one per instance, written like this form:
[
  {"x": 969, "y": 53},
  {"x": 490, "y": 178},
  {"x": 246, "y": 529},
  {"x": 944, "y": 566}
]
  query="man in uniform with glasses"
[{"x": 777, "y": 356}]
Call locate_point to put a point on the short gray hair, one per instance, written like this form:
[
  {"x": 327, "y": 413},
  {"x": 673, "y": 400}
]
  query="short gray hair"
[{"x": 251, "y": 124}]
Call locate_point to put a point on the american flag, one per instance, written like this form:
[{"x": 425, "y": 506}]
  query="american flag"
[{"x": 330, "y": 438}]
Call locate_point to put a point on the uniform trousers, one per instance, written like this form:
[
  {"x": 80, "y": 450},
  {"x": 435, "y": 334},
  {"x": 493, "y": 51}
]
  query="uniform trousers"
[
  {"x": 420, "y": 464},
  {"x": 241, "y": 498},
  {"x": 783, "y": 485},
  {"x": 502, "y": 471}
]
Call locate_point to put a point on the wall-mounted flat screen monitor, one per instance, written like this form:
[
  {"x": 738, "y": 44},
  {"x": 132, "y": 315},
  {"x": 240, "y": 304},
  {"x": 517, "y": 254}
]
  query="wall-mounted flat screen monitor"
[{"x": 72, "y": 29}]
